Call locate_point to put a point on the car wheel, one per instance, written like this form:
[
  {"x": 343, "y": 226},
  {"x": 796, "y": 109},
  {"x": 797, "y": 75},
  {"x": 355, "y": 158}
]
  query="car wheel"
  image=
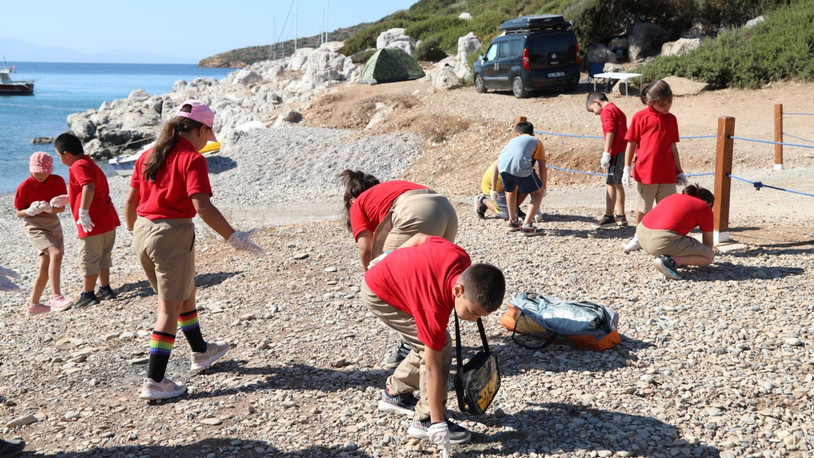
[
  {"x": 479, "y": 86},
  {"x": 518, "y": 89}
]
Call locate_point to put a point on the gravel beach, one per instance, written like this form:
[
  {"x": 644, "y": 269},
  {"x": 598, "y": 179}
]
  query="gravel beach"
[{"x": 717, "y": 364}]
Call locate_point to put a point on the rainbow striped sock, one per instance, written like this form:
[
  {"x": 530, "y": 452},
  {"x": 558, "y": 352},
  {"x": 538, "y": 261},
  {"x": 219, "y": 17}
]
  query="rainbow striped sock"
[
  {"x": 188, "y": 322},
  {"x": 161, "y": 345}
]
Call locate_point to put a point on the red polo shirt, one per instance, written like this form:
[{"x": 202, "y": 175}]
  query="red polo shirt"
[
  {"x": 655, "y": 133},
  {"x": 419, "y": 281},
  {"x": 680, "y": 213},
  {"x": 102, "y": 212},
  {"x": 372, "y": 206},
  {"x": 184, "y": 173}
]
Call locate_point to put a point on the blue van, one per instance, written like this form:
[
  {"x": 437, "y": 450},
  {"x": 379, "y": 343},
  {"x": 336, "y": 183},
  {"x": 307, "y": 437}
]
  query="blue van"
[{"x": 534, "y": 53}]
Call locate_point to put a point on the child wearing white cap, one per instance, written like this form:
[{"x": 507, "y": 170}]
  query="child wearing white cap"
[{"x": 37, "y": 201}]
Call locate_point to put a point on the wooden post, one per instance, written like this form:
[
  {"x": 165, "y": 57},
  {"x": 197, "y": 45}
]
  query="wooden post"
[
  {"x": 778, "y": 136},
  {"x": 723, "y": 168}
]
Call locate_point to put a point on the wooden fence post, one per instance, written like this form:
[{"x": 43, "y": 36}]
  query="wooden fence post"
[
  {"x": 723, "y": 183},
  {"x": 778, "y": 136}
]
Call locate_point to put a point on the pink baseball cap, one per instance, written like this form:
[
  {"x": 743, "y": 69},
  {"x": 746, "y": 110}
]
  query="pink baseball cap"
[
  {"x": 41, "y": 162},
  {"x": 201, "y": 113}
]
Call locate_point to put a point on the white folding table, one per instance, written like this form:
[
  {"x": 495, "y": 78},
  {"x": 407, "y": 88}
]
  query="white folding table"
[{"x": 621, "y": 76}]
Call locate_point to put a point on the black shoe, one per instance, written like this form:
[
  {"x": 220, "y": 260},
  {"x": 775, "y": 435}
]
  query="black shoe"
[
  {"x": 401, "y": 403},
  {"x": 457, "y": 434},
  {"x": 105, "y": 292},
  {"x": 11, "y": 448},
  {"x": 667, "y": 266},
  {"x": 480, "y": 207},
  {"x": 621, "y": 220},
  {"x": 87, "y": 298},
  {"x": 607, "y": 221}
]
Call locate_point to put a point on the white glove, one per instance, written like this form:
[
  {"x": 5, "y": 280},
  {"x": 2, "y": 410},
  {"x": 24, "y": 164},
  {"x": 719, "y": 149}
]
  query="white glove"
[
  {"x": 605, "y": 161},
  {"x": 682, "y": 180},
  {"x": 38, "y": 207},
  {"x": 438, "y": 433},
  {"x": 626, "y": 177},
  {"x": 243, "y": 241},
  {"x": 84, "y": 221},
  {"x": 376, "y": 260},
  {"x": 60, "y": 201},
  {"x": 5, "y": 283},
  {"x": 494, "y": 195}
]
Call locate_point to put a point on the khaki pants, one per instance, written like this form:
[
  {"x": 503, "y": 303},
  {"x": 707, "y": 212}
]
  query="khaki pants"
[
  {"x": 95, "y": 252},
  {"x": 411, "y": 374},
  {"x": 166, "y": 249},
  {"x": 418, "y": 211}
]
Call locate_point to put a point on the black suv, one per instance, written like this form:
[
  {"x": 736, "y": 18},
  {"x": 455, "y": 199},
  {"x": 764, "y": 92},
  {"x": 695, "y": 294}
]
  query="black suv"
[{"x": 534, "y": 52}]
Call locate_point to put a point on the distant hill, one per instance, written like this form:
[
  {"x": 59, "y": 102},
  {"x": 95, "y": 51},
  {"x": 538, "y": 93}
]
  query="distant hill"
[
  {"x": 22, "y": 51},
  {"x": 246, "y": 56}
]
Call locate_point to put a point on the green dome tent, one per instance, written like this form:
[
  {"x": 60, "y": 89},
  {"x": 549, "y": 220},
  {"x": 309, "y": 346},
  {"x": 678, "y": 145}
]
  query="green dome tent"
[{"x": 390, "y": 64}]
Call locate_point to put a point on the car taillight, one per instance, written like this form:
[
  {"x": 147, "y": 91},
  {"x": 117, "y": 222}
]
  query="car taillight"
[
  {"x": 578, "y": 59},
  {"x": 526, "y": 59}
]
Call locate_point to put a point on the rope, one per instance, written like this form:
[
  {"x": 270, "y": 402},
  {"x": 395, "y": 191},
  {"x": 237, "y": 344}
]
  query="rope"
[
  {"x": 575, "y": 171},
  {"x": 600, "y": 137},
  {"x": 798, "y": 114},
  {"x": 770, "y": 142},
  {"x": 567, "y": 135},
  {"x": 798, "y": 138},
  {"x": 691, "y": 175},
  {"x": 758, "y": 185}
]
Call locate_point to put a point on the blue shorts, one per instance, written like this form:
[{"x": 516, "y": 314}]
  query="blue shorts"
[{"x": 524, "y": 185}]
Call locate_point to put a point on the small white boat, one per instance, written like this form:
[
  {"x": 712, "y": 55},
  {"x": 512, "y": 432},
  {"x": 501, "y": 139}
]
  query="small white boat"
[{"x": 123, "y": 165}]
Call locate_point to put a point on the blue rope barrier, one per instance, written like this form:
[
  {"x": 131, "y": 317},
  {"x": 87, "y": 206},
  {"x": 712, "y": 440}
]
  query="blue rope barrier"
[
  {"x": 758, "y": 185},
  {"x": 692, "y": 137},
  {"x": 798, "y": 138},
  {"x": 576, "y": 171},
  {"x": 691, "y": 175},
  {"x": 566, "y": 135},
  {"x": 770, "y": 142},
  {"x": 798, "y": 114}
]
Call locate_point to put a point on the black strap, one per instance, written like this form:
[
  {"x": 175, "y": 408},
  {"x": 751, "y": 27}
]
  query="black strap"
[
  {"x": 458, "y": 352},
  {"x": 546, "y": 343}
]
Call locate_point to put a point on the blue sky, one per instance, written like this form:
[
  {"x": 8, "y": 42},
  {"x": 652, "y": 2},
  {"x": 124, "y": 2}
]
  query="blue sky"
[{"x": 184, "y": 31}]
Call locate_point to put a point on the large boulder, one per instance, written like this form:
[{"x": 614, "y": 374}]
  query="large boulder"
[
  {"x": 299, "y": 59},
  {"x": 680, "y": 47},
  {"x": 395, "y": 38},
  {"x": 445, "y": 78},
  {"x": 467, "y": 44},
  {"x": 645, "y": 39}
]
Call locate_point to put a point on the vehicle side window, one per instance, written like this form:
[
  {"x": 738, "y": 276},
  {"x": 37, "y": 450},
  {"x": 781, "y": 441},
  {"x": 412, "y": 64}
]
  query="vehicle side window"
[
  {"x": 505, "y": 47},
  {"x": 517, "y": 47},
  {"x": 491, "y": 53}
]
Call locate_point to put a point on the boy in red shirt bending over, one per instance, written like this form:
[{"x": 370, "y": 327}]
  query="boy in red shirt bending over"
[
  {"x": 95, "y": 216},
  {"x": 413, "y": 290}
]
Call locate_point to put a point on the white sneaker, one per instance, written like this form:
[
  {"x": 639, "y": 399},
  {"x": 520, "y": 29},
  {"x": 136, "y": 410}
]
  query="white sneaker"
[
  {"x": 632, "y": 245},
  {"x": 166, "y": 389},
  {"x": 214, "y": 350}
]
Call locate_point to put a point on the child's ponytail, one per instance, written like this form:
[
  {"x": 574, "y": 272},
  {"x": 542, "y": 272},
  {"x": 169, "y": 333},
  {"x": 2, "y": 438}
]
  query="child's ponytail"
[{"x": 166, "y": 142}]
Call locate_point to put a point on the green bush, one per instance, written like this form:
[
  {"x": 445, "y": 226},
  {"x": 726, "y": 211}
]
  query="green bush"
[
  {"x": 361, "y": 57},
  {"x": 429, "y": 50},
  {"x": 780, "y": 48}
]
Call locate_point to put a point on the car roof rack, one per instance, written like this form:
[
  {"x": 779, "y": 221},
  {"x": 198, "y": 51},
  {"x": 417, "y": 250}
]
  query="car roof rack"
[{"x": 525, "y": 24}]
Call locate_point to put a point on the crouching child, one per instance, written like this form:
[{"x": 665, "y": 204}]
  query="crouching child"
[{"x": 414, "y": 289}]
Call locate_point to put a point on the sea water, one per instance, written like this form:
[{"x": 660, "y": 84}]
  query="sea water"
[{"x": 65, "y": 88}]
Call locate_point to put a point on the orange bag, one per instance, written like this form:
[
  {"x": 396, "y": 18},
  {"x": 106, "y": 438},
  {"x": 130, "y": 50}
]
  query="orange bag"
[{"x": 604, "y": 336}]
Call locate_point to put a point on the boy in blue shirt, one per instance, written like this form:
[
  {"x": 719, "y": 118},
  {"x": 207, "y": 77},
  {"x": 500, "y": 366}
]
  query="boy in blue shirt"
[{"x": 516, "y": 167}]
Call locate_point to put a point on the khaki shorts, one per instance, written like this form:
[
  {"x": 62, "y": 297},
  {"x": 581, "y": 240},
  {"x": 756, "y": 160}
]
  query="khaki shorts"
[
  {"x": 659, "y": 242},
  {"x": 94, "y": 252},
  {"x": 419, "y": 211},
  {"x": 44, "y": 231},
  {"x": 646, "y": 194},
  {"x": 166, "y": 249}
]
